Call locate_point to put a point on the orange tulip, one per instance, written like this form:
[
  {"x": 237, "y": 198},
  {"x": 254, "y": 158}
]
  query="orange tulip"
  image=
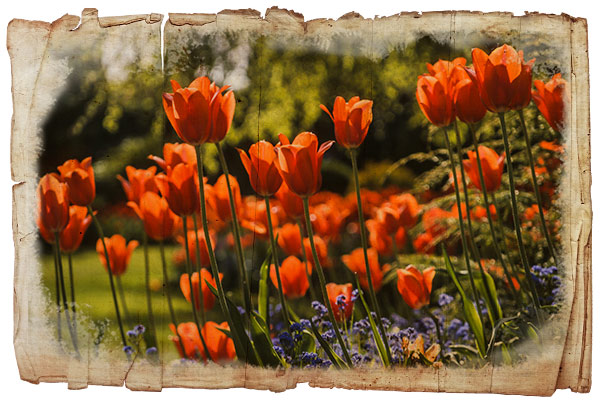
[
  {"x": 503, "y": 78},
  {"x": 299, "y": 163},
  {"x": 191, "y": 237},
  {"x": 423, "y": 243},
  {"x": 388, "y": 217},
  {"x": 327, "y": 220},
  {"x": 207, "y": 296},
  {"x": 119, "y": 253},
  {"x": 550, "y": 100},
  {"x": 351, "y": 120},
  {"x": 188, "y": 332},
  {"x": 254, "y": 217},
  {"x": 199, "y": 113},
  {"x": 72, "y": 235},
  {"x": 220, "y": 346},
  {"x": 492, "y": 166},
  {"x": 479, "y": 212},
  {"x": 140, "y": 182},
  {"x": 53, "y": 203},
  {"x": 180, "y": 187},
  {"x": 379, "y": 238},
  {"x": 219, "y": 201},
  {"x": 175, "y": 153},
  {"x": 407, "y": 207},
  {"x": 321, "y": 248},
  {"x": 290, "y": 201},
  {"x": 294, "y": 281},
  {"x": 355, "y": 262},
  {"x": 414, "y": 286},
  {"x": 333, "y": 292},
  {"x": 289, "y": 239},
  {"x": 153, "y": 210},
  {"x": 260, "y": 166},
  {"x": 467, "y": 102},
  {"x": 79, "y": 177}
]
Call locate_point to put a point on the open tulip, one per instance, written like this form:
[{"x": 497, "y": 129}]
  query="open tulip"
[
  {"x": 492, "y": 166},
  {"x": 351, "y": 120},
  {"x": 175, "y": 153},
  {"x": 207, "y": 296},
  {"x": 299, "y": 163},
  {"x": 550, "y": 100},
  {"x": 153, "y": 210},
  {"x": 342, "y": 310},
  {"x": 503, "y": 78},
  {"x": 414, "y": 286},
  {"x": 199, "y": 113},
  {"x": 139, "y": 182},
  {"x": 180, "y": 187},
  {"x": 294, "y": 281},
  {"x": 79, "y": 177},
  {"x": 260, "y": 166},
  {"x": 355, "y": 261},
  {"x": 53, "y": 203},
  {"x": 119, "y": 253}
]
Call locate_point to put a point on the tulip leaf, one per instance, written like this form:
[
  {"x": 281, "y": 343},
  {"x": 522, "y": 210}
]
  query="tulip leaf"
[
  {"x": 262, "y": 342},
  {"x": 333, "y": 357},
  {"x": 263, "y": 287},
  {"x": 492, "y": 304},
  {"x": 308, "y": 343},
  {"x": 469, "y": 310}
]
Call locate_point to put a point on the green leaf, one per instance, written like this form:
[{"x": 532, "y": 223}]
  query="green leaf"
[
  {"x": 262, "y": 342},
  {"x": 492, "y": 304},
  {"x": 263, "y": 287},
  {"x": 308, "y": 343},
  {"x": 468, "y": 308},
  {"x": 335, "y": 359}
]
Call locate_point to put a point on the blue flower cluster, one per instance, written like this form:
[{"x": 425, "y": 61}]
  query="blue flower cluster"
[{"x": 547, "y": 283}]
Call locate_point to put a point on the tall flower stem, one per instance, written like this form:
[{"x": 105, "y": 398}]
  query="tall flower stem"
[
  {"x": 515, "y": 214},
  {"x": 305, "y": 259},
  {"x": 286, "y": 316},
  {"x": 63, "y": 292},
  {"x": 188, "y": 265},
  {"x": 536, "y": 188},
  {"x": 489, "y": 217},
  {"x": 72, "y": 284},
  {"x": 198, "y": 268},
  {"x": 122, "y": 297},
  {"x": 151, "y": 324},
  {"x": 110, "y": 275},
  {"x": 476, "y": 253},
  {"x": 57, "y": 288},
  {"x": 363, "y": 239},
  {"x": 438, "y": 330},
  {"x": 461, "y": 225},
  {"x": 321, "y": 277},
  {"x": 236, "y": 233}
]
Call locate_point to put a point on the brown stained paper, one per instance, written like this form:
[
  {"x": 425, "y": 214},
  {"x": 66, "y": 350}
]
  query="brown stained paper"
[{"x": 40, "y": 54}]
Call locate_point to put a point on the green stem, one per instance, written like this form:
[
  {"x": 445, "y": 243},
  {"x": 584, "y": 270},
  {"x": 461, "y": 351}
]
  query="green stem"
[
  {"x": 128, "y": 319},
  {"x": 198, "y": 268},
  {"x": 110, "y": 274},
  {"x": 305, "y": 260},
  {"x": 57, "y": 288},
  {"x": 72, "y": 283},
  {"x": 188, "y": 264},
  {"x": 515, "y": 214},
  {"x": 489, "y": 217},
  {"x": 322, "y": 282},
  {"x": 286, "y": 316},
  {"x": 437, "y": 329},
  {"x": 363, "y": 239},
  {"x": 152, "y": 342},
  {"x": 461, "y": 224},
  {"x": 236, "y": 234},
  {"x": 536, "y": 188},
  {"x": 64, "y": 293}
]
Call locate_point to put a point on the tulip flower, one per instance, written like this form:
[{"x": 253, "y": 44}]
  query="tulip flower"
[
  {"x": 255, "y": 218},
  {"x": 199, "y": 113},
  {"x": 423, "y": 243},
  {"x": 119, "y": 253},
  {"x": 290, "y": 239},
  {"x": 408, "y": 209},
  {"x": 414, "y": 286},
  {"x": 175, "y": 153},
  {"x": 72, "y": 235},
  {"x": 503, "y": 78},
  {"x": 290, "y": 201},
  {"x": 343, "y": 309},
  {"x": 299, "y": 163},
  {"x": 219, "y": 201},
  {"x": 139, "y": 182},
  {"x": 355, "y": 261},
  {"x": 220, "y": 346},
  {"x": 294, "y": 281},
  {"x": 351, "y": 120},
  {"x": 53, "y": 203},
  {"x": 492, "y": 166},
  {"x": 180, "y": 187},
  {"x": 550, "y": 100},
  {"x": 191, "y": 240},
  {"x": 379, "y": 238},
  {"x": 187, "y": 332},
  {"x": 207, "y": 296},
  {"x": 321, "y": 247},
  {"x": 153, "y": 210},
  {"x": 388, "y": 217},
  {"x": 79, "y": 177},
  {"x": 467, "y": 102},
  {"x": 260, "y": 166}
]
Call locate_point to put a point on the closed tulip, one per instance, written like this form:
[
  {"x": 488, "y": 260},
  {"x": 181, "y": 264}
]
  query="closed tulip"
[
  {"x": 467, "y": 102},
  {"x": 53, "y": 203},
  {"x": 208, "y": 297},
  {"x": 503, "y": 78},
  {"x": 191, "y": 239},
  {"x": 342, "y": 310},
  {"x": 119, "y": 253},
  {"x": 355, "y": 261},
  {"x": 351, "y": 120},
  {"x": 550, "y": 100},
  {"x": 180, "y": 187},
  {"x": 289, "y": 239},
  {"x": 219, "y": 200},
  {"x": 260, "y": 166},
  {"x": 138, "y": 182},
  {"x": 414, "y": 286},
  {"x": 220, "y": 346},
  {"x": 186, "y": 332},
  {"x": 408, "y": 209},
  {"x": 492, "y": 166},
  {"x": 290, "y": 201},
  {"x": 294, "y": 281},
  {"x": 153, "y": 210},
  {"x": 175, "y": 153},
  {"x": 79, "y": 177},
  {"x": 299, "y": 163},
  {"x": 200, "y": 113},
  {"x": 72, "y": 235},
  {"x": 321, "y": 247}
]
